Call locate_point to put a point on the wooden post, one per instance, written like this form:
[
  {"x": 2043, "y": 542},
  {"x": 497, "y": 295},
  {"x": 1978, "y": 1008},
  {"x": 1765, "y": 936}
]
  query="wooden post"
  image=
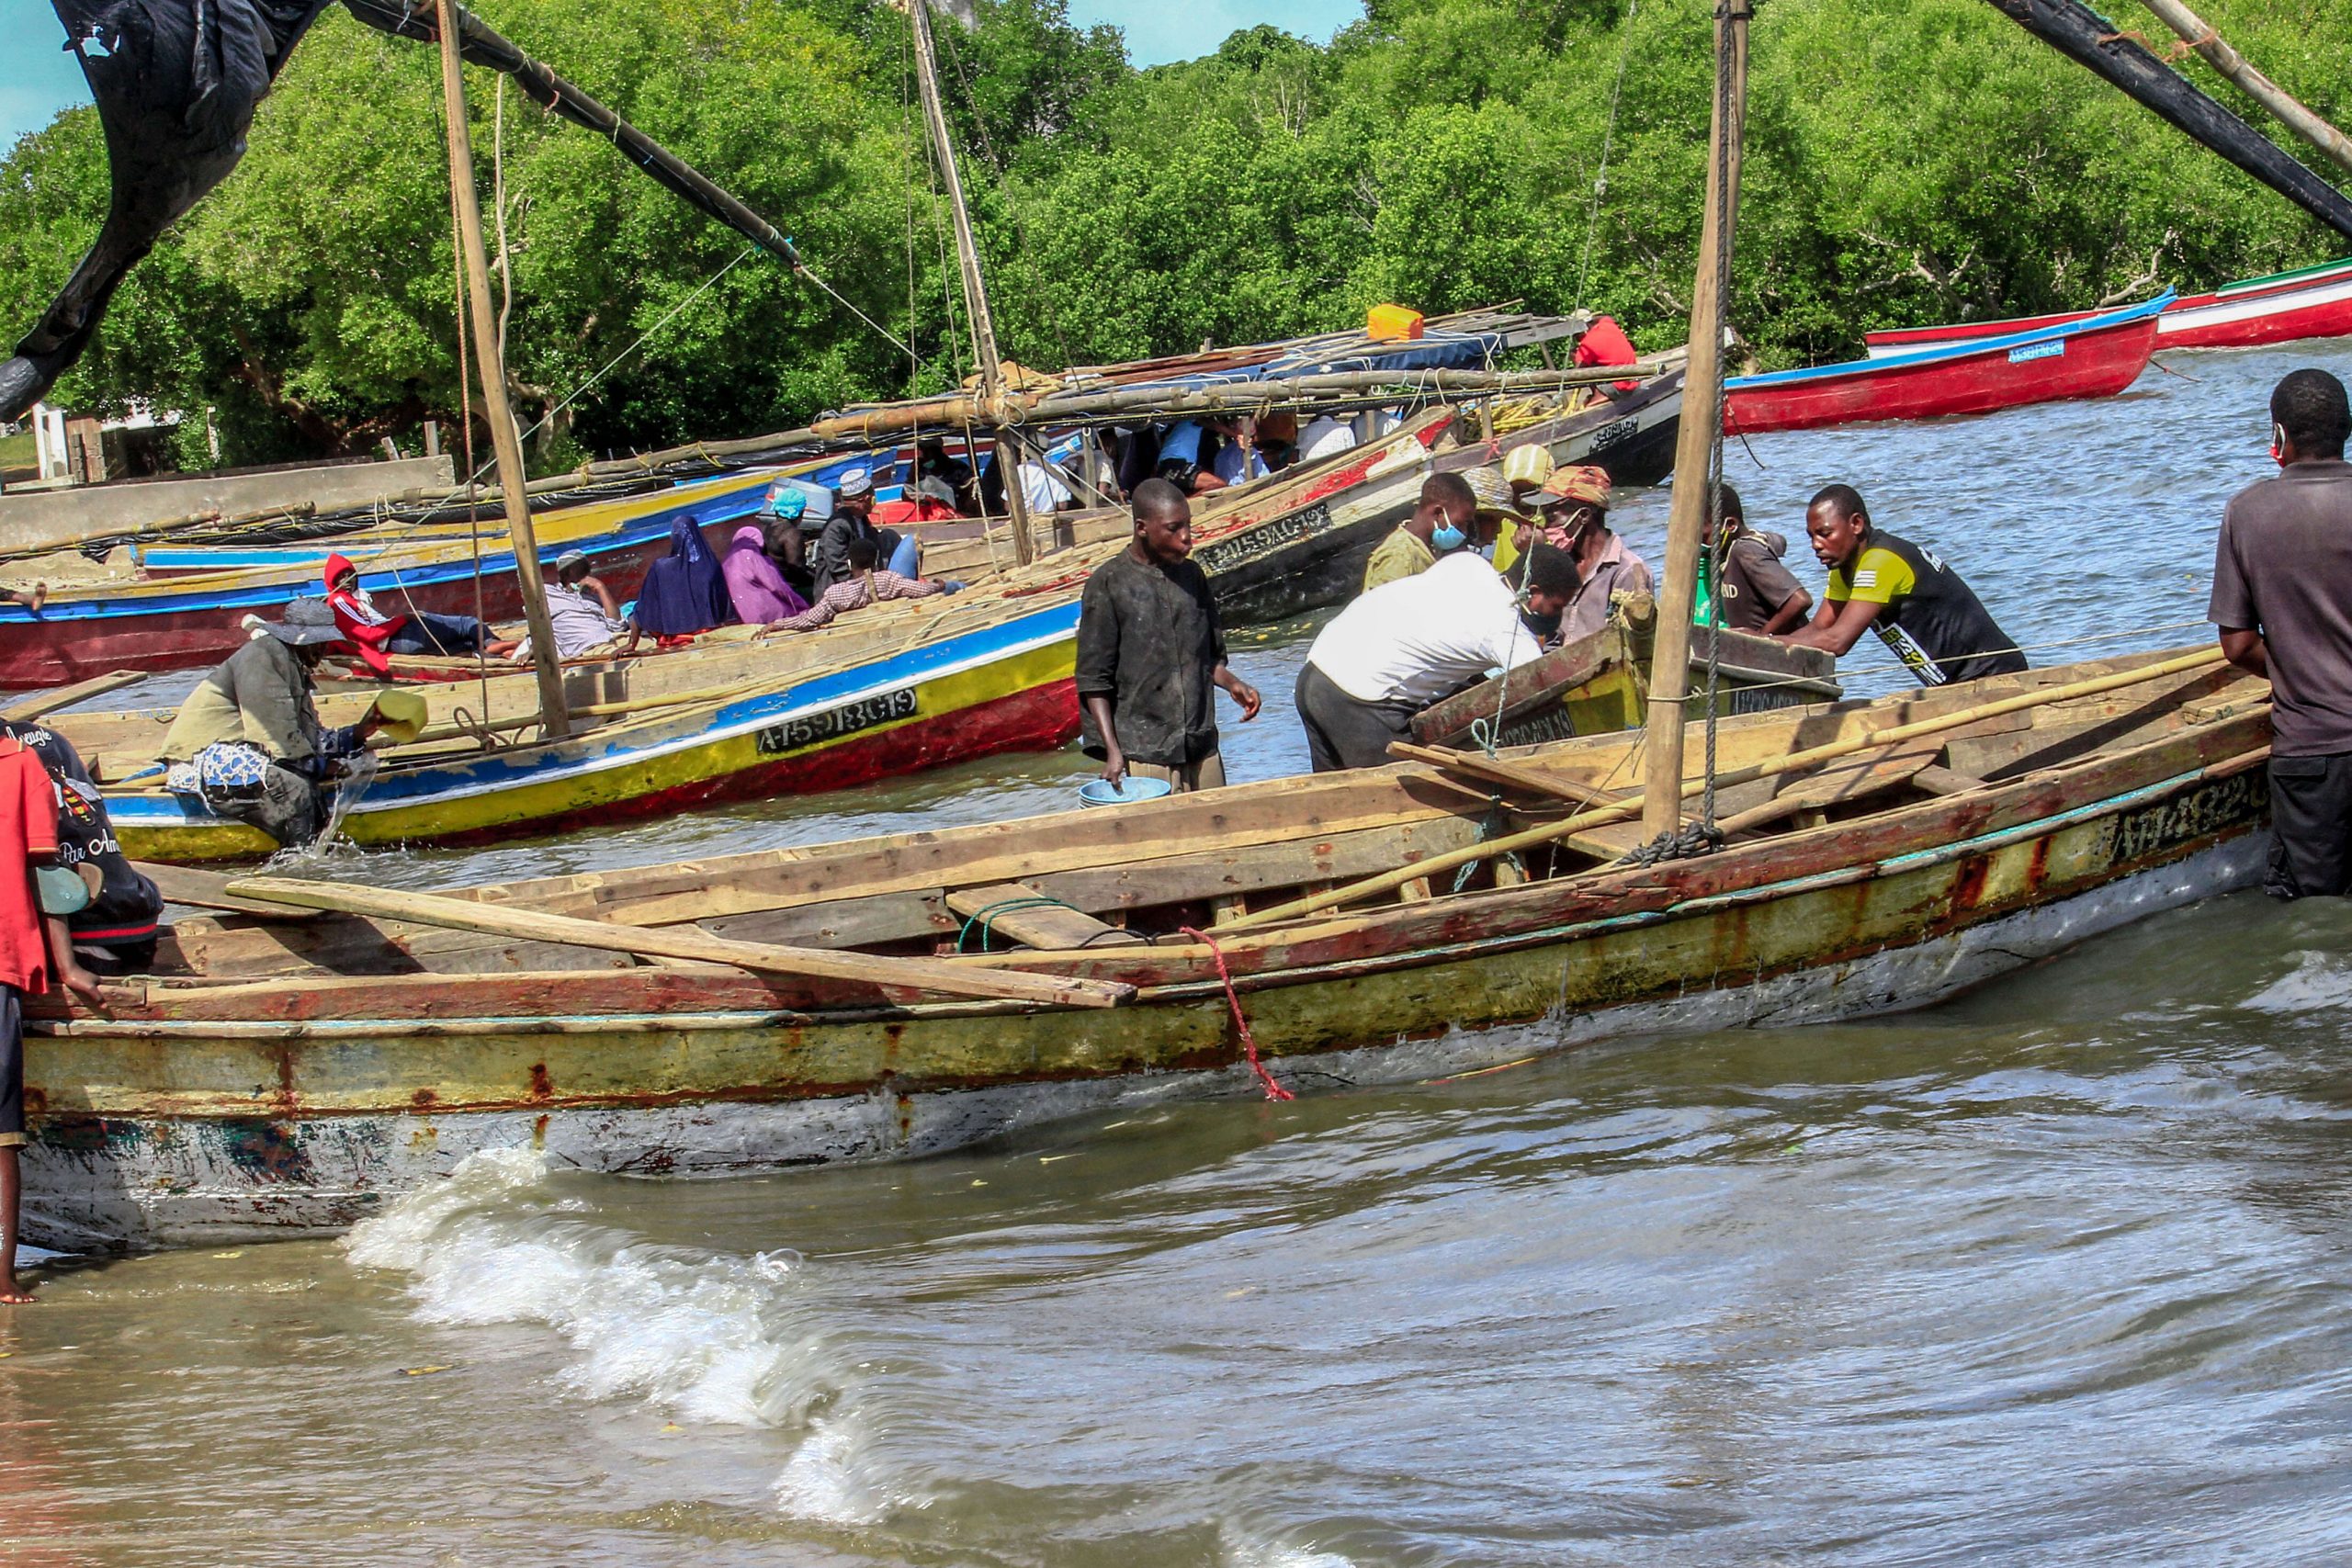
[
  {"x": 1702, "y": 428},
  {"x": 2257, "y": 87},
  {"x": 491, "y": 366},
  {"x": 975, "y": 293}
]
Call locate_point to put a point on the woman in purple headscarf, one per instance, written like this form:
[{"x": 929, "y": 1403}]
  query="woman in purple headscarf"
[
  {"x": 760, "y": 592},
  {"x": 684, "y": 592}
]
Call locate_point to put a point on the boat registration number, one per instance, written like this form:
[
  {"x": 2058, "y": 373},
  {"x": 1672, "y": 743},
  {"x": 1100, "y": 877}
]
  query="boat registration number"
[
  {"x": 2056, "y": 348},
  {"x": 1609, "y": 434},
  {"x": 1266, "y": 540},
  {"x": 834, "y": 723}
]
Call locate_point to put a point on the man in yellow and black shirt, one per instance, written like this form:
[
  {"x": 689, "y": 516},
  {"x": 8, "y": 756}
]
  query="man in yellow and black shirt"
[{"x": 1919, "y": 606}]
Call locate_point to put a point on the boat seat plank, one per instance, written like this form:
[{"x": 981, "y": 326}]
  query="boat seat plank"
[{"x": 1033, "y": 917}]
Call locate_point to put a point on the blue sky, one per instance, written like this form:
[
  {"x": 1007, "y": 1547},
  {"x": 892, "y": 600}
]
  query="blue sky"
[{"x": 36, "y": 82}]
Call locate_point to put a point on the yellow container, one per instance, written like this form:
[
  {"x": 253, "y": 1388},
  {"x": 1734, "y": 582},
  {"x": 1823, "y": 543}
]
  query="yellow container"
[{"x": 1387, "y": 324}]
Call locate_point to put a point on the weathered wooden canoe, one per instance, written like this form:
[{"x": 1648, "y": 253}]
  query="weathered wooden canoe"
[
  {"x": 1600, "y": 684},
  {"x": 2095, "y": 357},
  {"x": 288, "y": 1076},
  {"x": 2310, "y": 302}
]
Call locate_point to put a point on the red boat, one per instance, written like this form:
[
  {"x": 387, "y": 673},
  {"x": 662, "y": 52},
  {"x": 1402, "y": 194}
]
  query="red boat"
[
  {"x": 2095, "y": 356},
  {"x": 2313, "y": 302}
]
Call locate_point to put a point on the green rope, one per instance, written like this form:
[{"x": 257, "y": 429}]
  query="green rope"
[{"x": 987, "y": 914}]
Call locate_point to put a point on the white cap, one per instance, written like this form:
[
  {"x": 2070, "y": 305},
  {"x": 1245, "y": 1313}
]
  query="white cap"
[{"x": 858, "y": 481}]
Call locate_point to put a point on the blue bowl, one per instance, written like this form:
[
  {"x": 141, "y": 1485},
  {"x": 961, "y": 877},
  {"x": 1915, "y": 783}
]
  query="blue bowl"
[{"x": 1103, "y": 792}]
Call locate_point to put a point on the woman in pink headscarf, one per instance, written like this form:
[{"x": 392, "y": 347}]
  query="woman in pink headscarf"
[{"x": 759, "y": 590}]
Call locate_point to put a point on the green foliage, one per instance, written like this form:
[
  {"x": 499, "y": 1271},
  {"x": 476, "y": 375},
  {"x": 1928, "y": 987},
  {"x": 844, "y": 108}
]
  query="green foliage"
[{"x": 1906, "y": 161}]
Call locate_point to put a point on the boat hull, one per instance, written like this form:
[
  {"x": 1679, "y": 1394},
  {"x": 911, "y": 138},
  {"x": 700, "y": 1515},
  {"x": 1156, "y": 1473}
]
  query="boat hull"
[
  {"x": 2316, "y": 303},
  {"x": 1314, "y": 554},
  {"x": 195, "y": 1132},
  {"x": 1001, "y": 688},
  {"x": 2056, "y": 364},
  {"x": 185, "y": 622}
]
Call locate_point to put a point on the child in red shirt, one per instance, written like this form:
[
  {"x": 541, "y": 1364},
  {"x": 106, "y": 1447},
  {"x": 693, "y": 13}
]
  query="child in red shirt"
[{"x": 27, "y": 833}]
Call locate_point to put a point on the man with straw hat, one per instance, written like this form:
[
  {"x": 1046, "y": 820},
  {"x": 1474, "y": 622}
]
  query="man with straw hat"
[
  {"x": 248, "y": 743},
  {"x": 1572, "y": 507}
]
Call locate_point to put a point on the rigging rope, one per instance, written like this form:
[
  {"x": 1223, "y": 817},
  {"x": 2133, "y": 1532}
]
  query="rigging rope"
[{"x": 1607, "y": 140}]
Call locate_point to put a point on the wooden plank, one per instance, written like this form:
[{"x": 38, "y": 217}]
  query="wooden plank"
[
  {"x": 1511, "y": 775},
  {"x": 1032, "y": 917},
  {"x": 910, "y": 974},
  {"x": 1938, "y": 780},
  {"x": 40, "y": 703},
  {"x": 209, "y": 890}
]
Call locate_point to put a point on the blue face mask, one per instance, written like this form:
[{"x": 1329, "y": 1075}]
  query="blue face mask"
[{"x": 1446, "y": 537}]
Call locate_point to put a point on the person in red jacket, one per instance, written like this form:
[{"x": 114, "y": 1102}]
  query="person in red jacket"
[
  {"x": 1603, "y": 343},
  {"x": 375, "y": 633}
]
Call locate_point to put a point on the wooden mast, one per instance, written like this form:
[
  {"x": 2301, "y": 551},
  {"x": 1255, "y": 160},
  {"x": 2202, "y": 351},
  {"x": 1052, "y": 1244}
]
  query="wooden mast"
[
  {"x": 2256, "y": 85},
  {"x": 993, "y": 404},
  {"x": 1701, "y": 427},
  {"x": 490, "y": 365}
]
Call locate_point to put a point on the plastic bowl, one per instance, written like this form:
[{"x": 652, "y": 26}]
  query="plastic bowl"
[{"x": 1103, "y": 792}]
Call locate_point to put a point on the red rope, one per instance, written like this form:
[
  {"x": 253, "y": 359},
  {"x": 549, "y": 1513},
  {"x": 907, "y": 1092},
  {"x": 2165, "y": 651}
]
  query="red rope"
[{"x": 1233, "y": 999}]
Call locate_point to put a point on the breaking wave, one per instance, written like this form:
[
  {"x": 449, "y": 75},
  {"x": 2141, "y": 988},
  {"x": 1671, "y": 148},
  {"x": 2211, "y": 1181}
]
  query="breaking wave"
[{"x": 712, "y": 1337}]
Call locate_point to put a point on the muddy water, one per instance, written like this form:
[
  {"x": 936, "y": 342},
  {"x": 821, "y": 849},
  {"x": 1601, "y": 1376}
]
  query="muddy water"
[{"x": 2056, "y": 1272}]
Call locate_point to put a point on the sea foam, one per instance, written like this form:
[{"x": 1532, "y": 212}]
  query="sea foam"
[{"x": 710, "y": 1336}]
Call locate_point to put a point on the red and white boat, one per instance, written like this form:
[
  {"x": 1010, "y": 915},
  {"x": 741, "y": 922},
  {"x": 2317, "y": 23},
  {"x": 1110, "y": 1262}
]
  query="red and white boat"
[
  {"x": 2315, "y": 302},
  {"x": 2091, "y": 357}
]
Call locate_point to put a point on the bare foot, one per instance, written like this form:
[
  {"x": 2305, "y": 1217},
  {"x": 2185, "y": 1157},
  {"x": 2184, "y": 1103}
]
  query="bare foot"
[
  {"x": 13, "y": 1293},
  {"x": 40, "y": 597}
]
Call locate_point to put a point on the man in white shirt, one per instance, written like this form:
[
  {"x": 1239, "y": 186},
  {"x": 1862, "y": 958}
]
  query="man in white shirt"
[
  {"x": 1041, "y": 486},
  {"x": 1405, "y": 644},
  {"x": 1325, "y": 436}
]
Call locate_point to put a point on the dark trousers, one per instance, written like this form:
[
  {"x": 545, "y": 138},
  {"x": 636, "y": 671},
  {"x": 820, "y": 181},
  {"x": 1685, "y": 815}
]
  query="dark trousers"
[
  {"x": 2311, "y": 826},
  {"x": 1343, "y": 731},
  {"x": 424, "y": 633}
]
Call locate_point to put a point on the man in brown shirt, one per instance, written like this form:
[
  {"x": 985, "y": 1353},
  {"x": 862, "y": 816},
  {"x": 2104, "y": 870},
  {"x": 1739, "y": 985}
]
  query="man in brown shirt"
[{"x": 2282, "y": 598}]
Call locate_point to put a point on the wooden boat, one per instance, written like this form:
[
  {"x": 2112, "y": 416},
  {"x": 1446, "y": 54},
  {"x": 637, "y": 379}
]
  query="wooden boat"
[
  {"x": 2315, "y": 302},
  {"x": 1600, "y": 685},
  {"x": 2095, "y": 357},
  {"x": 1299, "y": 540},
  {"x": 178, "y": 622},
  {"x": 289, "y": 1075},
  {"x": 900, "y": 687}
]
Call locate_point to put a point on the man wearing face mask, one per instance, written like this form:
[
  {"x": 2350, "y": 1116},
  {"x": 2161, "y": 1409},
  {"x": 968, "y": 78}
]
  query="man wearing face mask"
[
  {"x": 2282, "y": 600},
  {"x": 1440, "y": 524}
]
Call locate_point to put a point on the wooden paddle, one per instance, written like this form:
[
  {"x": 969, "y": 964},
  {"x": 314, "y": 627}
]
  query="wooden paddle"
[
  {"x": 1795, "y": 761},
  {"x": 682, "y": 941}
]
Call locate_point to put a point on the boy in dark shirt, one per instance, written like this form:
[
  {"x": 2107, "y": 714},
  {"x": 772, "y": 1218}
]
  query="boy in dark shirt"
[{"x": 1149, "y": 648}]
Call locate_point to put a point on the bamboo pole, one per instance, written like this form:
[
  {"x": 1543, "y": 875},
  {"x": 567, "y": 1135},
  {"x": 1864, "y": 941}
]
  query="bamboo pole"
[
  {"x": 1702, "y": 428},
  {"x": 992, "y": 407},
  {"x": 1795, "y": 761},
  {"x": 690, "y": 943},
  {"x": 2257, "y": 87},
  {"x": 491, "y": 366}
]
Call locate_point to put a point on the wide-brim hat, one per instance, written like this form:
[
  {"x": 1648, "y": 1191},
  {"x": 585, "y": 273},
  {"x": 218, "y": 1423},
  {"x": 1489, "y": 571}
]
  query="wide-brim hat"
[
  {"x": 1493, "y": 493},
  {"x": 305, "y": 623}
]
